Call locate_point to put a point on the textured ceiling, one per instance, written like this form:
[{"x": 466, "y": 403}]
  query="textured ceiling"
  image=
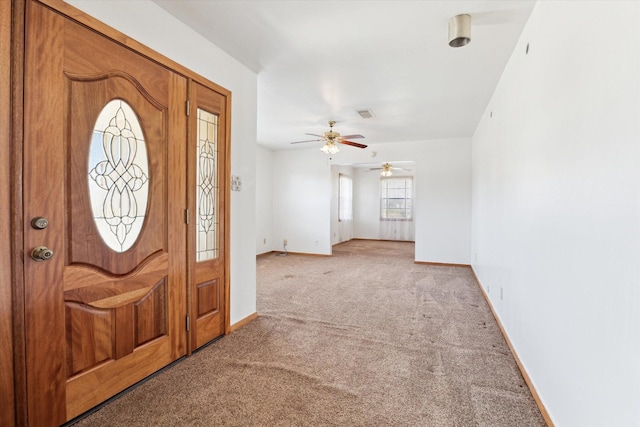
[{"x": 324, "y": 60}]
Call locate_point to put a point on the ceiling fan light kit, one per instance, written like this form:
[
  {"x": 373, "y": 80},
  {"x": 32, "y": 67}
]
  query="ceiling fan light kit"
[
  {"x": 386, "y": 169},
  {"x": 460, "y": 30},
  {"x": 330, "y": 148},
  {"x": 331, "y": 139}
]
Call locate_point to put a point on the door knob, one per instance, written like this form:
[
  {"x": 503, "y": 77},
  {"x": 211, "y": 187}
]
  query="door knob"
[{"x": 41, "y": 253}]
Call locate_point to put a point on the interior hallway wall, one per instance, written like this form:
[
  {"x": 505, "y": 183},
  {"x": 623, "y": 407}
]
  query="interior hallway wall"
[
  {"x": 302, "y": 191},
  {"x": 556, "y": 208},
  {"x": 264, "y": 201}
]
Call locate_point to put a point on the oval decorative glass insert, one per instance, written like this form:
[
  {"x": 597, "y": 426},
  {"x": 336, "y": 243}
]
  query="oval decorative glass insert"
[{"x": 118, "y": 175}]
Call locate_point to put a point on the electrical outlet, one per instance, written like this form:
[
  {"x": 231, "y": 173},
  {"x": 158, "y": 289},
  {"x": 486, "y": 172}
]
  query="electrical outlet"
[
  {"x": 264, "y": 241},
  {"x": 284, "y": 242},
  {"x": 236, "y": 183},
  {"x": 500, "y": 293}
]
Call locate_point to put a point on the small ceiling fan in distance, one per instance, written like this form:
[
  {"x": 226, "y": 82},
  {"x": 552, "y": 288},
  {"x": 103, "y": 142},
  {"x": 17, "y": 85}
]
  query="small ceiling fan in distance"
[
  {"x": 386, "y": 169},
  {"x": 332, "y": 138}
]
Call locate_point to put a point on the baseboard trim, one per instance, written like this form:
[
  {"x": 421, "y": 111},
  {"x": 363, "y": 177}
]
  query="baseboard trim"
[
  {"x": 239, "y": 324},
  {"x": 375, "y": 240},
  {"x": 282, "y": 253},
  {"x": 525, "y": 375},
  {"x": 304, "y": 254},
  {"x": 442, "y": 264}
]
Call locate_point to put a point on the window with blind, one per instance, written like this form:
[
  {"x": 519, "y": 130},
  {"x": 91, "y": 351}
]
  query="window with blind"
[
  {"x": 396, "y": 198},
  {"x": 345, "y": 198}
]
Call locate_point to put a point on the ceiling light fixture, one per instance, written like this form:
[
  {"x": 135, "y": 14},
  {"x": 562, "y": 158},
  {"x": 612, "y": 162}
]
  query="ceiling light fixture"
[
  {"x": 386, "y": 170},
  {"x": 330, "y": 148},
  {"x": 460, "y": 30}
]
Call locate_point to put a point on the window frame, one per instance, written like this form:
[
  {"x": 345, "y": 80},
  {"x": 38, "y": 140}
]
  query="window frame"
[{"x": 408, "y": 196}]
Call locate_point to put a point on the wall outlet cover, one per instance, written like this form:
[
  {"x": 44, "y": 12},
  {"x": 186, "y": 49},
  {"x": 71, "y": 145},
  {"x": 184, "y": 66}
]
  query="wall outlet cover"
[{"x": 236, "y": 183}]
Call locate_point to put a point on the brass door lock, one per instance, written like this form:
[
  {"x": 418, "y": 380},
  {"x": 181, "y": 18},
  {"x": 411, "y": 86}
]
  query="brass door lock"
[
  {"x": 39, "y": 223},
  {"x": 41, "y": 253}
]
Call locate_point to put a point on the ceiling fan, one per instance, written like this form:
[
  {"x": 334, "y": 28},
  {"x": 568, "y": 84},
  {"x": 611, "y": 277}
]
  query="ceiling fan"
[
  {"x": 332, "y": 138},
  {"x": 387, "y": 168}
]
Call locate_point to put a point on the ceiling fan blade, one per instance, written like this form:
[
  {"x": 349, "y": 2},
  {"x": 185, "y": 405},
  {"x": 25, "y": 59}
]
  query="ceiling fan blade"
[
  {"x": 357, "y": 136},
  {"x": 401, "y": 169},
  {"x": 353, "y": 144},
  {"x": 313, "y": 134},
  {"x": 308, "y": 140}
]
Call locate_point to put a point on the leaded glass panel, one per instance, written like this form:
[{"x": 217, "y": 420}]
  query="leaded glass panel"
[
  {"x": 207, "y": 187},
  {"x": 118, "y": 175}
]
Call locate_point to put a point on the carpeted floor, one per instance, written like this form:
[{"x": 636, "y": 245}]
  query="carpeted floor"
[{"x": 363, "y": 338}]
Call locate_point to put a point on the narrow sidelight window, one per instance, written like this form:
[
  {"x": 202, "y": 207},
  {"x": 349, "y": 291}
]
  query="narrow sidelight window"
[{"x": 207, "y": 187}]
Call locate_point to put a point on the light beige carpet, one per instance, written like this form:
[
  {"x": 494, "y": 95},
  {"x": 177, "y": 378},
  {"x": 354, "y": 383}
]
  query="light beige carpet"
[{"x": 363, "y": 338}]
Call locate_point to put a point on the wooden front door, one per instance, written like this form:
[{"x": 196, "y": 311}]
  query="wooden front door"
[
  {"x": 207, "y": 186},
  {"x": 106, "y": 165}
]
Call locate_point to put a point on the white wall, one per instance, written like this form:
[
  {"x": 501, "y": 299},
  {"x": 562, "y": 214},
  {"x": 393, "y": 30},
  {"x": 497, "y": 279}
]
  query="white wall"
[
  {"x": 302, "y": 191},
  {"x": 556, "y": 208},
  {"x": 443, "y": 196},
  {"x": 366, "y": 209},
  {"x": 150, "y": 25},
  {"x": 264, "y": 202}
]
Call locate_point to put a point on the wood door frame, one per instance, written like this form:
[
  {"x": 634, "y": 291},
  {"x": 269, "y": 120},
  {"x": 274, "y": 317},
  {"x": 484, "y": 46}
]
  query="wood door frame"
[
  {"x": 11, "y": 263},
  {"x": 12, "y": 350},
  {"x": 6, "y": 323}
]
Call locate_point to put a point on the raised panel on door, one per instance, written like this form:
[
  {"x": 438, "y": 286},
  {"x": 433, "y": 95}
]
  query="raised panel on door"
[
  {"x": 207, "y": 191},
  {"x": 105, "y": 163}
]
